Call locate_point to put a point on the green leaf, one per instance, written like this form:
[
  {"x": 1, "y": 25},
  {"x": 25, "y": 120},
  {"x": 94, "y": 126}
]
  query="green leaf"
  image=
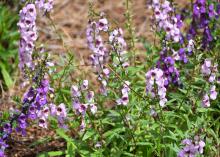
[
  {"x": 88, "y": 134},
  {"x": 71, "y": 147},
  {"x": 62, "y": 134},
  {"x": 6, "y": 76},
  {"x": 51, "y": 154}
]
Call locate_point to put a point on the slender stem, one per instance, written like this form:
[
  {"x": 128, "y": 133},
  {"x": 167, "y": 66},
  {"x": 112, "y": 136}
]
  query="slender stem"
[
  {"x": 130, "y": 29},
  {"x": 119, "y": 77}
]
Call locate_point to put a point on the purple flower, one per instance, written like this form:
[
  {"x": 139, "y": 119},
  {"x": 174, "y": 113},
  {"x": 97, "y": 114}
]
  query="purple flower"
[
  {"x": 156, "y": 76},
  {"x": 119, "y": 46},
  {"x": 7, "y": 128},
  {"x": 29, "y": 96},
  {"x": 199, "y": 7},
  {"x": 211, "y": 10},
  {"x": 100, "y": 53},
  {"x": 22, "y": 124},
  {"x": 192, "y": 32},
  {"x": 2, "y": 153},
  {"x": 61, "y": 111},
  {"x": 82, "y": 109},
  {"x": 213, "y": 93},
  {"x": 44, "y": 6},
  {"x": 170, "y": 24},
  {"x": 190, "y": 46},
  {"x": 84, "y": 85},
  {"x": 103, "y": 24},
  {"x": 207, "y": 37},
  {"x": 42, "y": 122},
  {"x": 32, "y": 112},
  {"x": 28, "y": 33},
  {"x": 182, "y": 54},
  {"x": 206, "y": 67},
  {"x": 124, "y": 100},
  {"x": 218, "y": 9},
  {"x": 93, "y": 108},
  {"x": 52, "y": 109},
  {"x": 90, "y": 96},
  {"x": 75, "y": 91},
  {"x": 212, "y": 77},
  {"x": 167, "y": 64},
  {"x": 205, "y": 101},
  {"x": 191, "y": 148},
  {"x": 201, "y": 146}
]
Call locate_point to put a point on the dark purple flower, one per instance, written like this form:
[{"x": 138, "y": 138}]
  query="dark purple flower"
[
  {"x": 211, "y": 10},
  {"x": 22, "y": 121},
  {"x": 167, "y": 64},
  {"x": 2, "y": 153},
  {"x": 192, "y": 32},
  {"x": 199, "y": 7},
  {"x": 7, "y": 128},
  {"x": 32, "y": 112},
  {"x": 204, "y": 21},
  {"x": 179, "y": 21},
  {"x": 28, "y": 97},
  {"x": 218, "y": 9},
  {"x": 182, "y": 54},
  {"x": 207, "y": 37}
]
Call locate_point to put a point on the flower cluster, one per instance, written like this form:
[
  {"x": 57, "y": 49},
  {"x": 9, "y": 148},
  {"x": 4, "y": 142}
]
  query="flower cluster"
[
  {"x": 78, "y": 93},
  {"x": 180, "y": 55},
  {"x": 46, "y": 6},
  {"x": 6, "y": 128},
  {"x": 203, "y": 14},
  {"x": 208, "y": 70},
  {"x": 166, "y": 20},
  {"x": 156, "y": 76},
  {"x": 33, "y": 108},
  {"x": 192, "y": 147},
  {"x": 119, "y": 47},
  {"x": 27, "y": 26},
  {"x": 37, "y": 98},
  {"x": 167, "y": 64},
  {"x": 60, "y": 113},
  {"x": 124, "y": 91},
  {"x": 100, "y": 53}
]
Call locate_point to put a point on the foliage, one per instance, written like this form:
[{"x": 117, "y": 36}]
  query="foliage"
[{"x": 8, "y": 43}]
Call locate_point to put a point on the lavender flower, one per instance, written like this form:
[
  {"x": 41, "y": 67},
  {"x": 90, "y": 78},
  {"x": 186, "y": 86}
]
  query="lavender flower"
[
  {"x": 100, "y": 53},
  {"x": 124, "y": 100},
  {"x": 205, "y": 101},
  {"x": 202, "y": 15},
  {"x": 28, "y": 34},
  {"x": 79, "y": 107},
  {"x": 44, "y": 5},
  {"x": 59, "y": 112},
  {"x": 199, "y": 7},
  {"x": 119, "y": 47},
  {"x": 170, "y": 24},
  {"x": 213, "y": 93},
  {"x": 209, "y": 70},
  {"x": 191, "y": 148},
  {"x": 167, "y": 64},
  {"x": 22, "y": 124},
  {"x": 156, "y": 76},
  {"x": 3, "y": 146}
]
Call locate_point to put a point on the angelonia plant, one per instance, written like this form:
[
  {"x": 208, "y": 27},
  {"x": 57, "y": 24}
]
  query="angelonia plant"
[{"x": 167, "y": 106}]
